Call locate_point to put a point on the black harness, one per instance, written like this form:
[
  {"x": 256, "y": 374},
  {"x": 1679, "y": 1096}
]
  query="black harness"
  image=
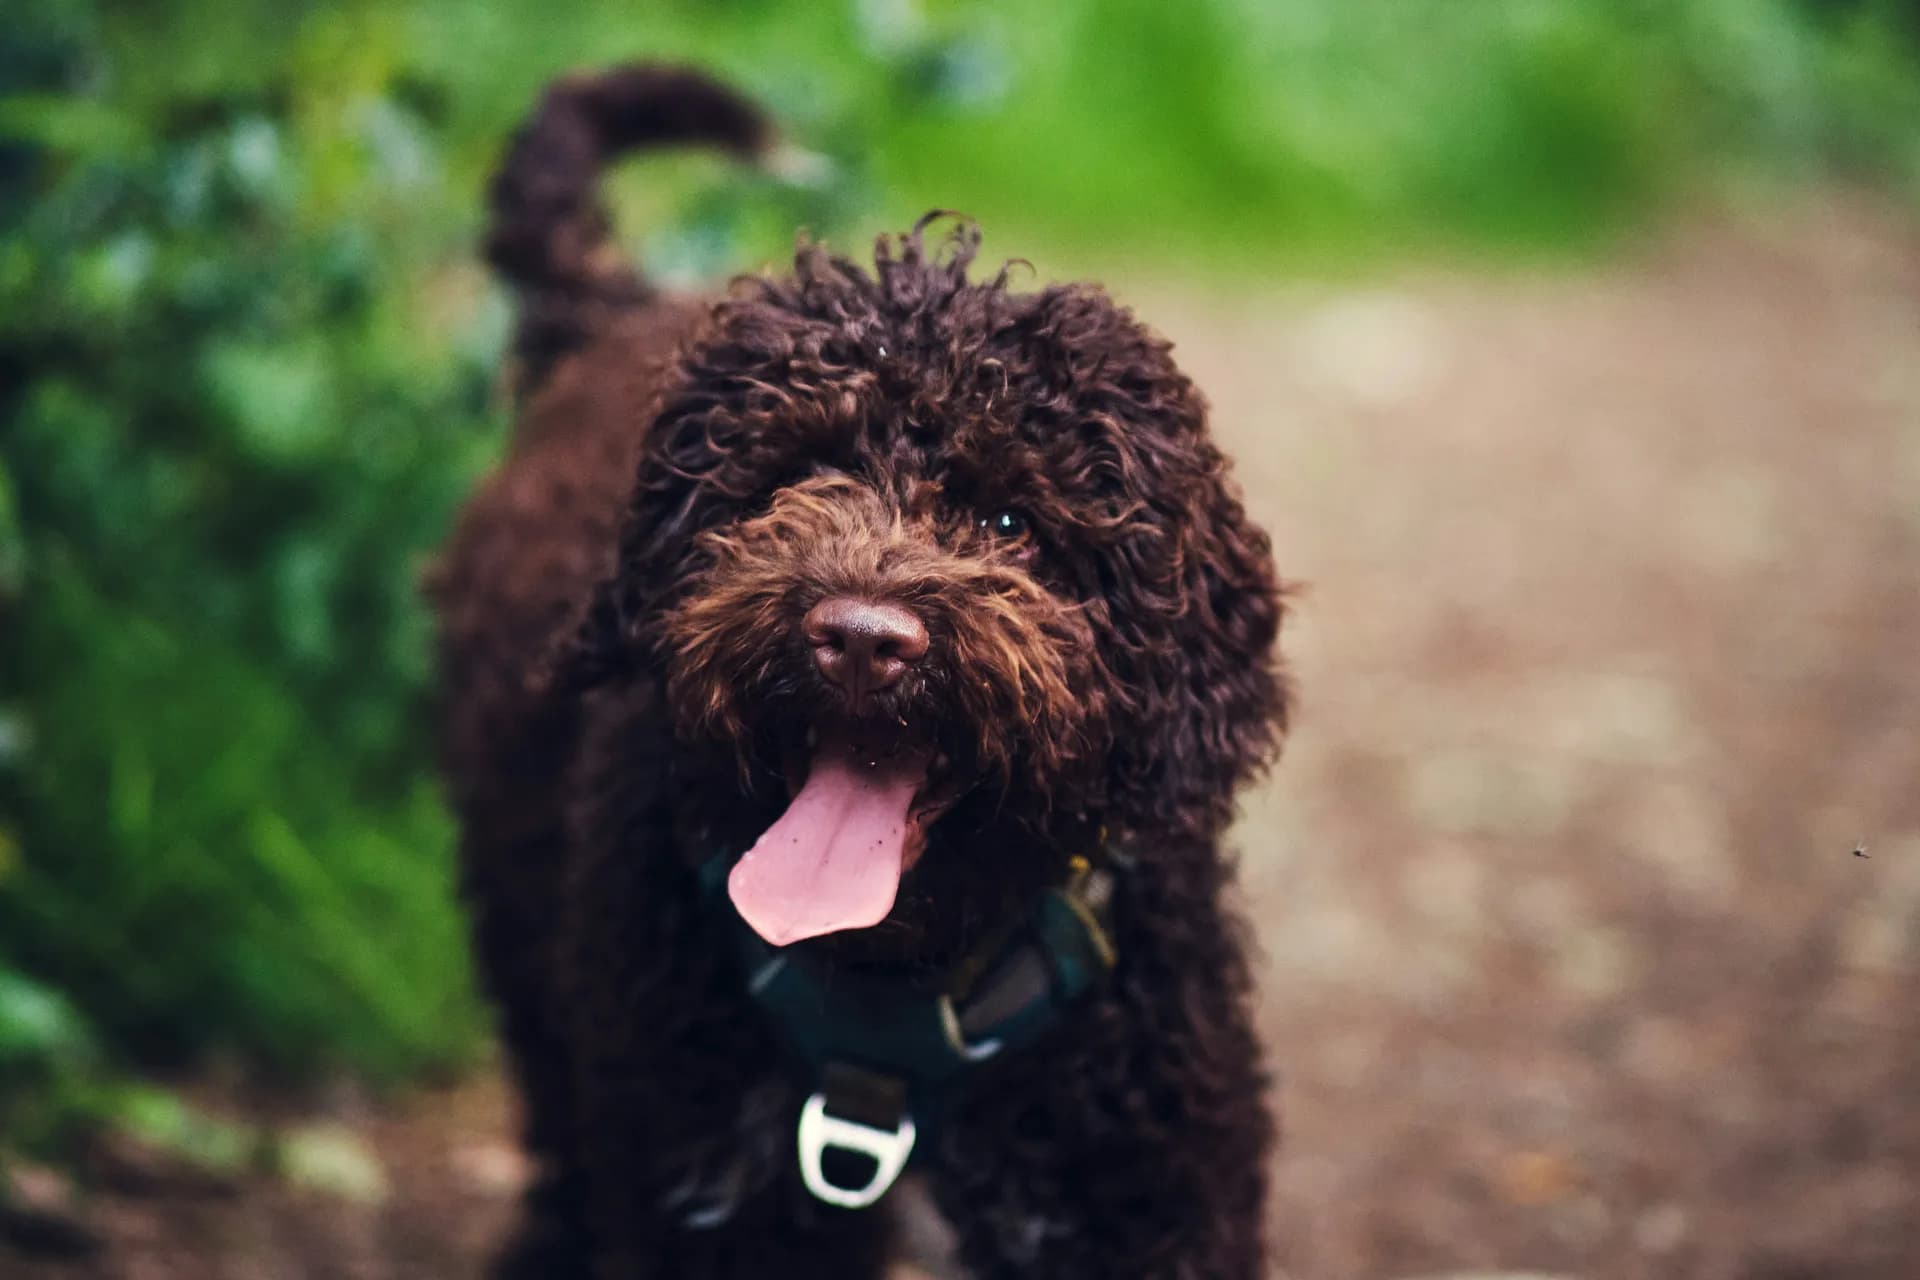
[{"x": 880, "y": 1057}]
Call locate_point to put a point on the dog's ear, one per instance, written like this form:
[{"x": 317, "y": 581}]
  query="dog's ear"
[
  {"x": 1209, "y": 696},
  {"x": 1235, "y": 713},
  {"x": 675, "y": 497},
  {"x": 602, "y": 648},
  {"x": 660, "y": 552},
  {"x": 1191, "y": 601}
]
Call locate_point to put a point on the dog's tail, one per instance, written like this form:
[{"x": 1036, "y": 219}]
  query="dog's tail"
[{"x": 549, "y": 235}]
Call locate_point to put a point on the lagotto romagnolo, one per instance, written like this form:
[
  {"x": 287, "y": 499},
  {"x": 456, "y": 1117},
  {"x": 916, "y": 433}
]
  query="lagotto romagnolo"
[{"x": 846, "y": 682}]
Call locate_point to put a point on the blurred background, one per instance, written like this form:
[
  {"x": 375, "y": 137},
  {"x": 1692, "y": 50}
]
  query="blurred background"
[{"x": 1571, "y": 351}]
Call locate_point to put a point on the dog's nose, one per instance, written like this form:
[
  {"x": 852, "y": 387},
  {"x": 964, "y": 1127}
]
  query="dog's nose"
[{"x": 863, "y": 645}]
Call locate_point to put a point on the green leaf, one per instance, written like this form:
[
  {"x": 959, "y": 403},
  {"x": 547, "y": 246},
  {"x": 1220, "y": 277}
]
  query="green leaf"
[
  {"x": 37, "y": 1024},
  {"x": 280, "y": 398}
]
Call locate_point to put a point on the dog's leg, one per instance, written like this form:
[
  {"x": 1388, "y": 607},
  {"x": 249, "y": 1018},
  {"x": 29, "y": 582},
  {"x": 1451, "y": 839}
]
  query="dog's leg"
[
  {"x": 687, "y": 1143},
  {"x": 1132, "y": 1144},
  {"x": 513, "y": 846},
  {"x": 548, "y": 1240}
]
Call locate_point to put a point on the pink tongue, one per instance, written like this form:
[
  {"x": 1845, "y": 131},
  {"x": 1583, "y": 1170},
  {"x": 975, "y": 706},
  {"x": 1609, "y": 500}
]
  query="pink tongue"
[{"x": 832, "y": 860}]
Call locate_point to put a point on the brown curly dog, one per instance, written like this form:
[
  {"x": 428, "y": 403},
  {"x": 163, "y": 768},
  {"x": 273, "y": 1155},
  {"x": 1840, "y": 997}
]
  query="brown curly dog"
[{"x": 846, "y": 685}]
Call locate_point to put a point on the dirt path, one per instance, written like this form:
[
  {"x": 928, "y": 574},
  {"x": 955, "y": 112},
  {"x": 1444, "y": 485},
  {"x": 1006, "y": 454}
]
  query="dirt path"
[{"x": 1609, "y": 654}]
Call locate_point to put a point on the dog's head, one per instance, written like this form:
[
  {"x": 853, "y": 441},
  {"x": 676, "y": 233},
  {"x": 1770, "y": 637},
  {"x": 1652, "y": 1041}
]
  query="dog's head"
[{"x": 951, "y": 578}]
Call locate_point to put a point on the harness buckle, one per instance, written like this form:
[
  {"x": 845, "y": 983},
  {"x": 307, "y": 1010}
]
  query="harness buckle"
[{"x": 821, "y": 1133}]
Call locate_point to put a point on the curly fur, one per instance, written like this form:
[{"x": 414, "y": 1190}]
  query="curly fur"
[{"x": 624, "y": 673}]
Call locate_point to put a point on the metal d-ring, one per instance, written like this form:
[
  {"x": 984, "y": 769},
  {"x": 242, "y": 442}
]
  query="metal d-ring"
[{"x": 820, "y": 1132}]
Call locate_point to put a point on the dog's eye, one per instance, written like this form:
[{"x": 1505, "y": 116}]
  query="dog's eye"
[{"x": 1005, "y": 524}]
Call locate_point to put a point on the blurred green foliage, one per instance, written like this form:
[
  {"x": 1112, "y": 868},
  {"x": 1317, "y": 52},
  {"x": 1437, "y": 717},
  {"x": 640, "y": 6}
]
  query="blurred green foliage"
[{"x": 247, "y": 362}]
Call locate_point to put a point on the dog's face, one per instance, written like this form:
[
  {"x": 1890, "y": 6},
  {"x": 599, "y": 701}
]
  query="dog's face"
[{"x": 951, "y": 580}]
